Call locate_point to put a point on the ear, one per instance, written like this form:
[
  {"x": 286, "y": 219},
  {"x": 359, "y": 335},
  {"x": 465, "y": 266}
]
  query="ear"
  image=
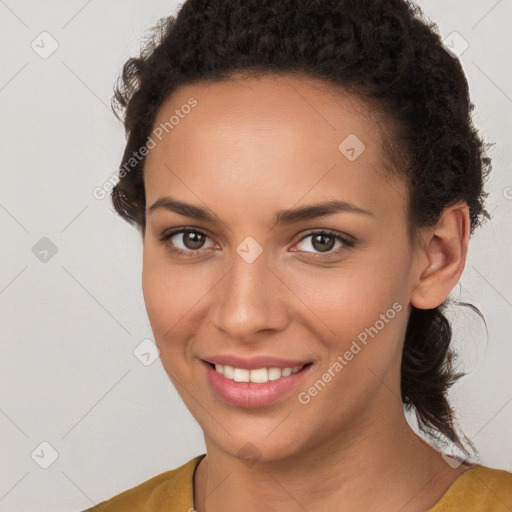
[{"x": 442, "y": 257}]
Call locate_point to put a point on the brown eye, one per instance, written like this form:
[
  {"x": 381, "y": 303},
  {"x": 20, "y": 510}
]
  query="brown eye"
[
  {"x": 323, "y": 243},
  {"x": 186, "y": 241},
  {"x": 326, "y": 243},
  {"x": 193, "y": 240}
]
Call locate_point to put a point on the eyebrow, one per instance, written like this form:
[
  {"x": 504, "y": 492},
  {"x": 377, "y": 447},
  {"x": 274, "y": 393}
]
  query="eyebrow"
[{"x": 287, "y": 216}]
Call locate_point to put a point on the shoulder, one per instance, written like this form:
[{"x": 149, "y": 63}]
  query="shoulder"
[
  {"x": 479, "y": 488},
  {"x": 172, "y": 490}
]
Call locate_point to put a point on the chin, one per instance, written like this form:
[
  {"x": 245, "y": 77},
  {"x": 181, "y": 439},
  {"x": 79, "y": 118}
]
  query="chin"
[{"x": 259, "y": 448}]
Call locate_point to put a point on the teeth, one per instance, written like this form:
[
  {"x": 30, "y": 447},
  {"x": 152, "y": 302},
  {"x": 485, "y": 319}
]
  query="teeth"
[
  {"x": 274, "y": 373},
  {"x": 261, "y": 375},
  {"x": 241, "y": 375},
  {"x": 228, "y": 372},
  {"x": 286, "y": 372}
]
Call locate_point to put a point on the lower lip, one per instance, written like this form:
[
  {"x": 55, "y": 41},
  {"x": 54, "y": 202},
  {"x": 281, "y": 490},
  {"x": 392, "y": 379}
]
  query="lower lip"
[{"x": 252, "y": 395}]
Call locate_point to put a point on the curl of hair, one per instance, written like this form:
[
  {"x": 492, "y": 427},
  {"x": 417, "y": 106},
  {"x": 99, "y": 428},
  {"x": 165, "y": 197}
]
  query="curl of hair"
[{"x": 383, "y": 51}]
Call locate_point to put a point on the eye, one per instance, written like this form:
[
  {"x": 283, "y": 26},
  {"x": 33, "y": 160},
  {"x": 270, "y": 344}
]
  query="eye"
[
  {"x": 186, "y": 241},
  {"x": 191, "y": 242},
  {"x": 324, "y": 242}
]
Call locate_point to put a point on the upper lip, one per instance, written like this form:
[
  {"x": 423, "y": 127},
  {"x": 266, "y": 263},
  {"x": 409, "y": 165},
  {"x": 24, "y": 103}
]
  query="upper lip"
[{"x": 254, "y": 362}]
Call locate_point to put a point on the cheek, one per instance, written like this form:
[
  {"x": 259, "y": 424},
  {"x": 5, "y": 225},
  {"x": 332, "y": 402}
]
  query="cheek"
[
  {"x": 172, "y": 294},
  {"x": 347, "y": 299},
  {"x": 166, "y": 296},
  {"x": 361, "y": 324},
  {"x": 358, "y": 310}
]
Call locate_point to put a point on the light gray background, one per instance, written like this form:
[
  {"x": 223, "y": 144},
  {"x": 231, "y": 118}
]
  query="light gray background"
[{"x": 70, "y": 325}]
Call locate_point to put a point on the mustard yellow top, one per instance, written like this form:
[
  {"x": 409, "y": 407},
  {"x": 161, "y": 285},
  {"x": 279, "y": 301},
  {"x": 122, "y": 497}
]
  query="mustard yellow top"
[{"x": 479, "y": 489}]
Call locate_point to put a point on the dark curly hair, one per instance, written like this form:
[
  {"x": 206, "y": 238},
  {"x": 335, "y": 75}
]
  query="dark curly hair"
[{"x": 383, "y": 51}]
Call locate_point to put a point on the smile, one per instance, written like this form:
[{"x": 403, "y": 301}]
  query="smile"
[
  {"x": 259, "y": 375},
  {"x": 256, "y": 387}
]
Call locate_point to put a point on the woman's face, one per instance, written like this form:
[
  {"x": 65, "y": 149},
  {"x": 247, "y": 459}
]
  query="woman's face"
[{"x": 256, "y": 280}]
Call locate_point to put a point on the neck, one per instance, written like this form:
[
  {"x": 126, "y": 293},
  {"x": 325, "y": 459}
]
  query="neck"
[{"x": 369, "y": 466}]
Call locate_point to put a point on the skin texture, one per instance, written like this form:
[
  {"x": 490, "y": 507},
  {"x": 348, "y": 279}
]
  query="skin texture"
[{"x": 252, "y": 147}]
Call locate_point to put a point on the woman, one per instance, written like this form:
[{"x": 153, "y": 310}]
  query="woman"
[{"x": 306, "y": 177}]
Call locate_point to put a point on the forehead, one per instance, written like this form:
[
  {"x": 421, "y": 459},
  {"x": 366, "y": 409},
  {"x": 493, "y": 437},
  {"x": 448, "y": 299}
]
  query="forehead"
[
  {"x": 272, "y": 101},
  {"x": 264, "y": 134}
]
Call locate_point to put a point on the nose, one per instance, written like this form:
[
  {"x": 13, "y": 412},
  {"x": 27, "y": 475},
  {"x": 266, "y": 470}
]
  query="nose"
[{"x": 251, "y": 301}]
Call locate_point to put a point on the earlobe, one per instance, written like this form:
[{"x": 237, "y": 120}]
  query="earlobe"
[{"x": 445, "y": 255}]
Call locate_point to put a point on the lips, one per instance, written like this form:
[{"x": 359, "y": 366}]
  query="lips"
[{"x": 252, "y": 395}]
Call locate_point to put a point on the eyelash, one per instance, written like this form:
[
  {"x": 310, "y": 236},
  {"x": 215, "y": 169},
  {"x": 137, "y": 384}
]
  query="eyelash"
[{"x": 347, "y": 243}]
